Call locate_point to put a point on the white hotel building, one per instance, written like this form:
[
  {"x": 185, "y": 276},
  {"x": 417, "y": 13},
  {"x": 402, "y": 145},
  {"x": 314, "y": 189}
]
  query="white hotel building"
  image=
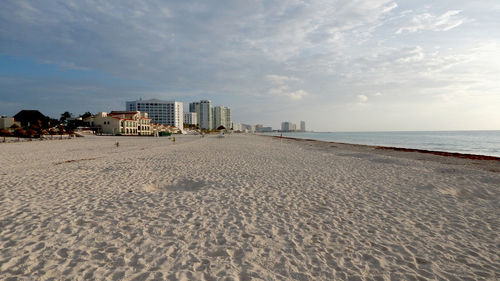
[{"x": 160, "y": 111}]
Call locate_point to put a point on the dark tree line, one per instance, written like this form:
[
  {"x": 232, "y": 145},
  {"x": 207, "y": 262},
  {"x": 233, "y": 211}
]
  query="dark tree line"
[{"x": 36, "y": 125}]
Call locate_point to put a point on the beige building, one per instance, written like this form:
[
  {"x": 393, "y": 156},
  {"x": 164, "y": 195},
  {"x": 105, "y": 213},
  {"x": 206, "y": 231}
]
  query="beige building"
[
  {"x": 129, "y": 123},
  {"x": 6, "y": 122}
]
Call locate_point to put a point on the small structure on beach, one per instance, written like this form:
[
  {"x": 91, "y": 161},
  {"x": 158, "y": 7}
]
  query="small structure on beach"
[{"x": 30, "y": 117}]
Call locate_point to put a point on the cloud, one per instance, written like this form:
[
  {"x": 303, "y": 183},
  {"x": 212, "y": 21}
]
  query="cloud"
[
  {"x": 426, "y": 21},
  {"x": 280, "y": 79},
  {"x": 414, "y": 55},
  {"x": 316, "y": 52},
  {"x": 281, "y": 88},
  {"x": 362, "y": 98},
  {"x": 285, "y": 92}
]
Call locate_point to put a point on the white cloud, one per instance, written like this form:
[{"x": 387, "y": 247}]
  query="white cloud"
[
  {"x": 362, "y": 98},
  {"x": 297, "y": 95},
  {"x": 281, "y": 88},
  {"x": 426, "y": 21},
  {"x": 284, "y": 91},
  {"x": 280, "y": 79},
  {"x": 414, "y": 55}
]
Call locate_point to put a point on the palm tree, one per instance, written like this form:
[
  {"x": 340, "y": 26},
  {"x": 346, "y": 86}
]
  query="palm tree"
[
  {"x": 86, "y": 114},
  {"x": 65, "y": 116}
]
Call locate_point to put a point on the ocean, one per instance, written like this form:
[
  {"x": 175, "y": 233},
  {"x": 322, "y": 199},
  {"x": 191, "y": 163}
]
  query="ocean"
[{"x": 468, "y": 142}]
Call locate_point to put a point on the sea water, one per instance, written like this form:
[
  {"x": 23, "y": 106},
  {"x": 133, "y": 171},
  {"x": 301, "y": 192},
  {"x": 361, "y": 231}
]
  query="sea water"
[{"x": 468, "y": 142}]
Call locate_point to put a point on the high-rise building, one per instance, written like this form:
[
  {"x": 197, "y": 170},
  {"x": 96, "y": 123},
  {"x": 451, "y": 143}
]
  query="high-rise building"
[
  {"x": 222, "y": 117},
  {"x": 287, "y": 126},
  {"x": 160, "y": 111},
  {"x": 205, "y": 115},
  {"x": 211, "y": 117},
  {"x": 191, "y": 118},
  {"x": 302, "y": 126},
  {"x": 195, "y": 108}
]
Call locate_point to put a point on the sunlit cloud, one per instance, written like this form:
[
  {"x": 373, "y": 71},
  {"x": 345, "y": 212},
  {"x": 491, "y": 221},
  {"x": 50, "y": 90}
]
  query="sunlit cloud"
[{"x": 426, "y": 21}]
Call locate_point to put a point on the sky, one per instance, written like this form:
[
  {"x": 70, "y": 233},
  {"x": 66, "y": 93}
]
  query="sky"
[{"x": 339, "y": 65}]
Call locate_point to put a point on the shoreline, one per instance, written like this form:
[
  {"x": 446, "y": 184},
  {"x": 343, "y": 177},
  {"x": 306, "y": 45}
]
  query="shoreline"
[{"x": 404, "y": 149}]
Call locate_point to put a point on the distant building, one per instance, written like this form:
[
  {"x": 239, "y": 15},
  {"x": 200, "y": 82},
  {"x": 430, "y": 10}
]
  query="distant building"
[
  {"x": 248, "y": 128},
  {"x": 204, "y": 112},
  {"x": 206, "y": 115},
  {"x": 288, "y": 127},
  {"x": 160, "y": 111},
  {"x": 30, "y": 117},
  {"x": 264, "y": 129},
  {"x": 222, "y": 117},
  {"x": 237, "y": 127},
  {"x": 194, "y": 107},
  {"x": 302, "y": 126},
  {"x": 191, "y": 118},
  {"x": 7, "y": 122},
  {"x": 130, "y": 123}
]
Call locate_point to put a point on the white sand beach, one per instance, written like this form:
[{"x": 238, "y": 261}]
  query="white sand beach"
[{"x": 244, "y": 207}]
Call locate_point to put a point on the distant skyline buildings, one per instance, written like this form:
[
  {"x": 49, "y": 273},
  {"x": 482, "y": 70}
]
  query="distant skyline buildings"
[
  {"x": 211, "y": 117},
  {"x": 287, "y": 126}
]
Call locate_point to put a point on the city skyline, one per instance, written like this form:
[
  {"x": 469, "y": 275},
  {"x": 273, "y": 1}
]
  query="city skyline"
[{"x": 341, "y": 66}]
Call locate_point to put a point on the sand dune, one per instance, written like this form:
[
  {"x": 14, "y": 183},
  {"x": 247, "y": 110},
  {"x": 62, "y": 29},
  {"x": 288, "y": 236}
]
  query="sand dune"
[{"x": 243, "y": 208}]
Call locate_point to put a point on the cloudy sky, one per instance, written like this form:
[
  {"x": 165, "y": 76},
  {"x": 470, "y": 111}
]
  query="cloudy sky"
[{"x": 340, "y": 65}]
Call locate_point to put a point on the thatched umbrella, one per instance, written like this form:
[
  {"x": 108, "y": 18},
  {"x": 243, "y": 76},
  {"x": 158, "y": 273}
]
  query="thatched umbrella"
[
  {"x": 61, "y": 130},
  {"x": 14, "y": 127},
  {"x": 19, "y": 132},
  {"x": 52, "y": 132},
  {"x": 31, "y": 133},
  {"x": 5, "y": 133}
]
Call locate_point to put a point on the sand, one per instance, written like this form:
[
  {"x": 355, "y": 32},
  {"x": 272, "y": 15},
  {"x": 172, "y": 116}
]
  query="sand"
[{"x": 243, "y": 207}]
